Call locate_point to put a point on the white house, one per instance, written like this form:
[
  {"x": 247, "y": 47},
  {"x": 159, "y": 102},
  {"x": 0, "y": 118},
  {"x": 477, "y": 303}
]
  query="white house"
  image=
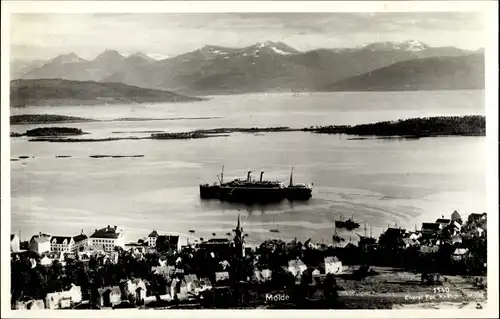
[
  {"x": 459, "y": 254},
  {"x": 221, "y": 275},
  {"x": 30, "y": 305},
  {"x": 152, "y": 238},
  {"x": 108, "y": 237},
  {"x": 40, "y": 243},
  {"x": 137, "y": 289},
  {"x": 333, "y": 265},
  {"x": 80, "y": 242},
  {"x": 61, "y": 244},
  {"x": 15, "y": 244},
  {"x": 64, "y": 299},
  {"x": 46, "y": 261},
  {"x": 296, "y": 267}
]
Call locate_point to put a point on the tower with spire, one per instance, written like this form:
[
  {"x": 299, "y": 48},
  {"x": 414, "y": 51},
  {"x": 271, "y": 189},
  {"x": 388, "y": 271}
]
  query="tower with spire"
[{"x": 239, "y": 240}]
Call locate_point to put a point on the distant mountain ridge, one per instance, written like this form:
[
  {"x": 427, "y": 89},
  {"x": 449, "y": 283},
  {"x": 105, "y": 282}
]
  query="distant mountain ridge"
[
  {"x": 434, "y": 73},
  {"x": 55, "y": 92},
  {"x": 261, "y": 67}
]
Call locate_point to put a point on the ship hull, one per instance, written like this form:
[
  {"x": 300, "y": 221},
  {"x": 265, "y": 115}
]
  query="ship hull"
[
  {"x": 253, "y": 194},
  {"x": 298, "y": 193},
  {"x": 209, "y": 191}
]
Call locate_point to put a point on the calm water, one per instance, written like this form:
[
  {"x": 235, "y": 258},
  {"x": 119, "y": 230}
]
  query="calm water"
[{"x": 377, "y": 181}]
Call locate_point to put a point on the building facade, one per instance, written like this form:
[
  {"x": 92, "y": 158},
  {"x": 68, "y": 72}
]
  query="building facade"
[
  {"x": 152, "y": 238},
  {"x": 40, "y": 243},
  {"x": 108, "y": 238},
  {"x": 15, "y": 244},
  {"x": 81, "y": 241},
  {"x": 61, "y": 244}
]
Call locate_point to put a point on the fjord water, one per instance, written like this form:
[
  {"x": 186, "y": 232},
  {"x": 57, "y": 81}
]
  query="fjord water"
[{"x": 378, "y": 181}]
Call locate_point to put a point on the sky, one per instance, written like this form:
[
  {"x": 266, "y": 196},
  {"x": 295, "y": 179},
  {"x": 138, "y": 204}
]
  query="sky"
[{"x": 44, "y": 36}]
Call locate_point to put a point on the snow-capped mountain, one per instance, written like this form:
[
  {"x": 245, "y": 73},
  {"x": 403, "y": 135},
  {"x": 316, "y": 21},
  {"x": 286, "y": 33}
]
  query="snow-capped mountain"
[
  {"x": 410, "y": 45},
  {"x": 263, "y": 66}
]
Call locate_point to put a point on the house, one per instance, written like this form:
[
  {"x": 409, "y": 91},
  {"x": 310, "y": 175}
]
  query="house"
[
  {"x": 220, "y": 247},
  {"x": 46, "y": 261},
  {"x": 443, "y": 222},
  {"x": 262, "y": 275},
  {"x": 333, "y": 265},
  {"x": 460, "y": 254},
  {"x": 61, "y": 243},
  {"x": 15, "y": 244},
  {"x": 456, "y": 239},
  {"x": 478, "y": 232},
  {"x": 52, "y": 300},
  {"x": 205, "y": 285},
  {"x": 108, "y": 237},
  {"x": 296, "y": 267},
  {"x": 221, "y": 275},
  {"x": 429, "y": 249},
  {"x": 165, "y": 270},
  {"x": 266, "y": 274},
  {"x": 30, "y": 305},
  {"x": 167, "y": 242},
  {"x": 40, "y": 243},
  {"x": 80, "y": 241},
  {"x": 408, "y": 242},
  {"x": 109, "y": 296},
  {"x": 455, "y": 216},
  {"x": 179, "y": 288},
  {"x": 152, "y": 237},
  {"x": 474, "y": 218},
  {"x": 192, "y": 282},
  {"x": 431, "y": 228},
  {"x": 136, "y": 289},
  {"x": 366, "y": 242},
  {"x": 64, "y": 299}
]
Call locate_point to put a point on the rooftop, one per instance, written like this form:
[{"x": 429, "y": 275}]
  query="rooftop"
[
  {"x": 106, "y": 232},
  {"x": 60, "y": 239},
  {"x": 443, "y": 221},
  {"x": 154, "y": 233},
  {"x": 430, "y": 226},
  {"x": 80, "y": 237},
  {"x": 41, "y": 238}
]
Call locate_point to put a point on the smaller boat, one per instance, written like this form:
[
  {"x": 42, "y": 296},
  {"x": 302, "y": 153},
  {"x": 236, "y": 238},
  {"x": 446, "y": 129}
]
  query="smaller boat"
[
  {"x": 274, "y": 230},
  {"x": 214, "y": 234},
  {"x": 349, "y": 224},
  {"x": 191, "y": 231},
  {"x": 228, "y": 234}
]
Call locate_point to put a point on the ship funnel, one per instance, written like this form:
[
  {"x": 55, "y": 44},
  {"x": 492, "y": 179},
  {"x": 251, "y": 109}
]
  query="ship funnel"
[
  {"x": 249, "y": 176},
  {"x": 291, "y": 177},
  {"x": 261, "y": 174}
]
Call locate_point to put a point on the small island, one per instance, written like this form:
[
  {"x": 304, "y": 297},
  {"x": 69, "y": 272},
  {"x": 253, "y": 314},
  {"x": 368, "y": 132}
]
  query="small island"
[
  {"x": 46, "y": 119},
  {"x": 471, "y": 125},
  {"x": 54, "y": 131},
  {"x": 179, "y": 136}
]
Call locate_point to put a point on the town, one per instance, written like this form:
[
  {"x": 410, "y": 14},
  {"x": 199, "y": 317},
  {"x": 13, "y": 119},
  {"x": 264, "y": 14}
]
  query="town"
[{"x": 102, "y": 271}]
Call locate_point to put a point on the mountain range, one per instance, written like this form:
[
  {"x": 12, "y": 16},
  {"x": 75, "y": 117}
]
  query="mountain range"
[{"x": 275, "y": 66}]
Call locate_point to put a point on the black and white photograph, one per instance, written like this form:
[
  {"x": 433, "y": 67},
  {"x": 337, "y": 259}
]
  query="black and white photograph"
[{"x": 204, "y": 160}]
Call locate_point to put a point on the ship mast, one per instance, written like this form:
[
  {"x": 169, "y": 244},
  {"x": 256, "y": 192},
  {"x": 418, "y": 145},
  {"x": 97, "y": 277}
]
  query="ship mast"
[{"x": 222, "y": 175}]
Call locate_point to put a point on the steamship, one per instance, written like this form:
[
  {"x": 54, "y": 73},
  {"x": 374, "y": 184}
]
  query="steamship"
[{"x": 251, "y": 190}]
